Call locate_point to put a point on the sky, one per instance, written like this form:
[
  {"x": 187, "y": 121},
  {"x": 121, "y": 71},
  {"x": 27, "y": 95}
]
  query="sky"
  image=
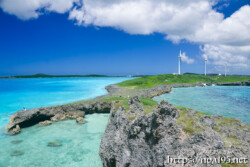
[{"x": 124, "y": 37}]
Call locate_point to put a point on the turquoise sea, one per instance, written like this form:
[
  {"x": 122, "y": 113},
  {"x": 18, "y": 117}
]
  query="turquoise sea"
[
  {"x": 229, "y": 101},
  {"x": 80, "y": 143}
]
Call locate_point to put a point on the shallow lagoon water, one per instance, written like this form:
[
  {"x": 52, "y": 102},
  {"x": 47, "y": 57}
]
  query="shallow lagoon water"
[
  {"x": 80, "y": 143},
  {"x": 229, "y": 101}
]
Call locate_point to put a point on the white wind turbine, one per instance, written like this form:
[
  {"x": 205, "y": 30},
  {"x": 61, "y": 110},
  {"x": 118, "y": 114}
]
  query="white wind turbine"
[
  {"x": 205, "y": 66},
  {"x": 225, "y": 69},
  {"x": 179, "y": 64}
]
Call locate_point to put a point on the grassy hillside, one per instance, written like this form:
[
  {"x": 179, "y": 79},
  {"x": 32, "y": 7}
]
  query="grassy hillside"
[{"x": 151, "y": 81}]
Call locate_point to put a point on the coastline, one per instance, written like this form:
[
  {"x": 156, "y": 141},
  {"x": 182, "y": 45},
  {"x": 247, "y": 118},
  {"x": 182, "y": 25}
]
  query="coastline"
[
  {"x": 135, "y": 137},
  {"x": 101, "y": 104}
]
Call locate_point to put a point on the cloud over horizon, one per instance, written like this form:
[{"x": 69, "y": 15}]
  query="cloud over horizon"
[{"x": 223, "y": 40}]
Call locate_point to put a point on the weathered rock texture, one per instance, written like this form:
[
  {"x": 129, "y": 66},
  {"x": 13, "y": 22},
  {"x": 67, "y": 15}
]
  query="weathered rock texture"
[
  {"x": 245, "y": 83},
  {"x": 133, "y": 139},
  {"x": 80, "y": 120},
  {"x": 45, "y": 123},
  {"x": 22, "y": 119}
]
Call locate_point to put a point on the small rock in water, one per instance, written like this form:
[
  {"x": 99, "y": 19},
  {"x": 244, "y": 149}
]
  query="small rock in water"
[
  {"x": 15, "y": 130},
  {"x": 45, "y": 123},
  {"x": 16, "y": 141},
  {"x": 80, "y": 120},
  {"x": 17, "y": 153},
  {"x": 54, "y": 144}
]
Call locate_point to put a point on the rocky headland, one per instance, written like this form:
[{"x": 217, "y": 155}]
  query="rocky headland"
[
  {"x": 141, "y": 132},
  {"x": 133, "y": 138},
  {"x": 46, "y": 115}
]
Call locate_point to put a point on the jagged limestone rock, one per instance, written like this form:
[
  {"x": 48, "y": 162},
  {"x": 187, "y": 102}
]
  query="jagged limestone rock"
[{"x": 151, "y": 139}]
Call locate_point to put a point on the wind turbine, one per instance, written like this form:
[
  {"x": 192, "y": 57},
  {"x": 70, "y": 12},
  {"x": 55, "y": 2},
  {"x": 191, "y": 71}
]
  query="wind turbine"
[
  {"x": 179, "y": 65},
  {"x": 225, "y": 69},
  {"x": 205, "y": 66}
]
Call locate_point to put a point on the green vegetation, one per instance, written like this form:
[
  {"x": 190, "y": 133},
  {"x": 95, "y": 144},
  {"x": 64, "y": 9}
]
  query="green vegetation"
[
  {"x": 148, "y": 104},
  {"x": 188, "y": 122},
  {"x": 114, "y": 98},
  {"x": 229, "y": 122},
  {"x": 233, "y": 165},
  {"x": 55, "y": 76},
  {"x": 151, "y": 81},
  {"x": 189, "y": 125}
]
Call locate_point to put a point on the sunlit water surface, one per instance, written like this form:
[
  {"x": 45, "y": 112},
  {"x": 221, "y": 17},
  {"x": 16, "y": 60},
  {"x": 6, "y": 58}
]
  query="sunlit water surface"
[
  {"x": 80, "y": 143},
  {"x": 229, "y": 101}
]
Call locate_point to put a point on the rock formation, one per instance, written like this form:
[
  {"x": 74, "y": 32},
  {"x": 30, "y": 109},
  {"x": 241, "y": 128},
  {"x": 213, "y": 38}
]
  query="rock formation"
[
  {"x": 54, "y": 144},
  {"x": 245, "y": 83},
  {"x": 80, "y": 120},
  {"x": 22, "y": 119},
  {"x": 135, "y": 139},
  {"x": 45, "y": 123},
  {"x": 15, "y": 130}
]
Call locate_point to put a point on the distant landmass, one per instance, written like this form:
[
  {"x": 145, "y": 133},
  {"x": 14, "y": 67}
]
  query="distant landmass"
[{"x": 40, "y": 75}]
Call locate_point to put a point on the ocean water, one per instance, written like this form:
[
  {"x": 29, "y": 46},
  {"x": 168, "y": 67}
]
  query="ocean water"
[
  {"x": 80, "y": 143},
  {"x": 229, "y": 101}
]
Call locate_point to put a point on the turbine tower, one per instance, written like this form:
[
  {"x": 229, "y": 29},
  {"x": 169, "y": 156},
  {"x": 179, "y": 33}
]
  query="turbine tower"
[
  {"x": 179, "y": 65},
  {"x": 205, "y": 66},
  {"x": 225, "y": 69}
]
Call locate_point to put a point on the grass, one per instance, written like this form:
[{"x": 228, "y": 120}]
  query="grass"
[
  {"x": 151, "y": 81},
  {"x": 148, "y": 104},
  {"x": 233, "y": 165},
  {"x": 229, "y": 122},
  {"x": 120, "y": 102},
  {"x": 114, "y": 98},
  {"x": 232, "y": 140},
  {"x": 188, "y": 123}
]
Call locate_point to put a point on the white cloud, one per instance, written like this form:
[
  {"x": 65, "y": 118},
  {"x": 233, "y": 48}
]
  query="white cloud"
[
  {"x": 229, "y": 41},
  {"x": 28, "y": 9},
  {"x": 186, "y": 59},
  {"x": 222, "y": 40},
  {"x": 231, "y": 55}
]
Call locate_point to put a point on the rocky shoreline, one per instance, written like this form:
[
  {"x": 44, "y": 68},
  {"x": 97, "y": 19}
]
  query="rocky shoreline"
[
  {"x": 23, "y": 119},
  {"x": 133, "y": 138},
  {"x": 143, "y": 133}
]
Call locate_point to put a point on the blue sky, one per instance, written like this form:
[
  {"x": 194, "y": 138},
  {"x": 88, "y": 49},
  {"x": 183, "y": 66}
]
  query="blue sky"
[{"x": 53, "y": 44}]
